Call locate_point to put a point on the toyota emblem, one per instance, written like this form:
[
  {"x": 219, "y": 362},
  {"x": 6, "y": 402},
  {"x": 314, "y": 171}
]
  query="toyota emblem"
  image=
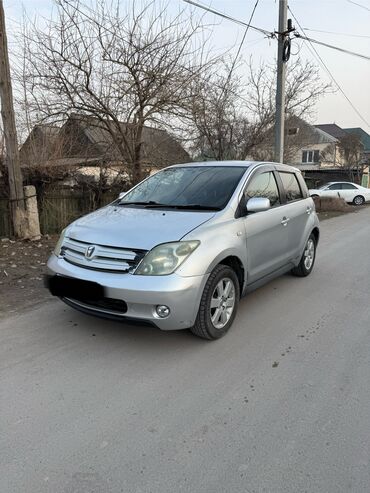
[{"x": 89, "y": 251}]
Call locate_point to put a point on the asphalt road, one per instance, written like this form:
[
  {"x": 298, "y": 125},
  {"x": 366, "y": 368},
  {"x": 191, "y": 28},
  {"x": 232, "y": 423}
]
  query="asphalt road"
[{"x": 281, "y": 404}]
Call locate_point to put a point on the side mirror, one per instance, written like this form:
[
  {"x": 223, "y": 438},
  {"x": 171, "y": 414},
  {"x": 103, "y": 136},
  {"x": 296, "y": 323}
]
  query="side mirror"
[
  {"x": 121, "y": 195},
  {"x": 258, "y": 204}
]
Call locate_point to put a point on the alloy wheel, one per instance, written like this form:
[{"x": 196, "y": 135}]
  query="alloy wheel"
[
  {"x": 222, "y": 303},
  {"x": 309, "y": 254}
]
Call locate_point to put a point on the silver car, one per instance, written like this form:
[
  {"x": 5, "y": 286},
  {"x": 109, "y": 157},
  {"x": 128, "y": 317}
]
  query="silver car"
[{"x": 180, "y": 248}]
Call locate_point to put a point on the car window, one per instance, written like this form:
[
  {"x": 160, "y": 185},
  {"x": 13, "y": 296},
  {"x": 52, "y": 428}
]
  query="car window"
[
  {"x": 291, "y": 186},
  {"x": 336, "y": 186},
  {"x": 263, "y": 185},
  {"x": 205, "y": 186},
  {"x": 348, "y": 186}
]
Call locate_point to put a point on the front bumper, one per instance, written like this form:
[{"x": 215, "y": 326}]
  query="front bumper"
[{"x": 141, "y": 294}]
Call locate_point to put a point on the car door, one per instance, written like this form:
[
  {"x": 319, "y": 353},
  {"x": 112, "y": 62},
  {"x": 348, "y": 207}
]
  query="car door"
[
  {"x": 333, "y": 190},
  {"x": 264, "y": 230},
  {"x": 297, "y": 212},
  {"x": 349, "y": 192}
]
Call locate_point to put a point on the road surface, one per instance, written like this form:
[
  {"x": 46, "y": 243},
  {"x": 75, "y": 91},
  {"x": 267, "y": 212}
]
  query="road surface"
[{"x": 281, "y": 404}]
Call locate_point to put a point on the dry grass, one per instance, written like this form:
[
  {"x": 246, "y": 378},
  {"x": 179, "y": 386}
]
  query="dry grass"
[{"x": 332, "y": 204}]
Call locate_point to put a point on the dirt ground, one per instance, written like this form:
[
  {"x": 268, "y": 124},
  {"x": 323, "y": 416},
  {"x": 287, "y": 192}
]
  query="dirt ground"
[{"x": 22, "y": 266}]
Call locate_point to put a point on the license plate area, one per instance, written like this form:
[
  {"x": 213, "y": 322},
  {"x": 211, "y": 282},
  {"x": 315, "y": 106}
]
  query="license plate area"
[{"x": 68, "y": 287}]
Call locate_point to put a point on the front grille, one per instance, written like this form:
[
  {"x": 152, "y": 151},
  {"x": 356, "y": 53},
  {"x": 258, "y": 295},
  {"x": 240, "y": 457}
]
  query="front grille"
[
  {"x": 102, "y": 305},
  {"x": 107, "y": 258}
]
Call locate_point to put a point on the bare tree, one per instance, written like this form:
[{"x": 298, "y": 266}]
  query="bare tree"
[
  {"x": 118, "y": 66},
  {"x": 351, "y": 148},
  {"x": 233, "y": 120}
]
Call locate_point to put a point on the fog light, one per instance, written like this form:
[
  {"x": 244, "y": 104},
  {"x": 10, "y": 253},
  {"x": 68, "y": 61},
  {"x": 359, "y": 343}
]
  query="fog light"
[{"x": 162, "y": 311}]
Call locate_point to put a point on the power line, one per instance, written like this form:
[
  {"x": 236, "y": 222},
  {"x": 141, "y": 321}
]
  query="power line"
[
  {"x": 337, "y": 33},
  {"x": 229, "y": 18},
  {"x": 359, "y": 5},
  {"x": 239, "y": 49},
  {"x": 272, "y": 34},
  {"x": 343, "y": 50},
  {"x": 315, "y": 53}
]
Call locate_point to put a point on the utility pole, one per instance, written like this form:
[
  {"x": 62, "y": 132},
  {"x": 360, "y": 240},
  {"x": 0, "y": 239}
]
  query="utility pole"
[
  {"x": 282, "y": 58},
  {"x": 17, "y": 203}
]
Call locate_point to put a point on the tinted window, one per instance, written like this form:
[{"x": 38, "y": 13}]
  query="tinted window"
[
  {"x": 291, "y": 186},
  {"x": 263, "y": 185},
  {"x": 336, "y": 186},
  {"x": 348, "y": 186},
  {"x": 206, "y": 186}
]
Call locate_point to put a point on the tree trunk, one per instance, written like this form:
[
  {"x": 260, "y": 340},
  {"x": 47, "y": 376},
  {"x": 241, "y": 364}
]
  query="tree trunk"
[
  {"x": 17, "y": 204},
  {"x": 137, "y": 174}
]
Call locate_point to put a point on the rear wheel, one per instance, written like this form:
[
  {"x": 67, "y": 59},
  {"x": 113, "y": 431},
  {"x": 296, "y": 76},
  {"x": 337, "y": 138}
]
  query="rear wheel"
[
  {"x": 307, "y": 261},
  {"x": 358, "y": 200},
  {"x": 218, "y": 304}
]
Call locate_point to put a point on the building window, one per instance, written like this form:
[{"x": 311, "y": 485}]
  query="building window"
[
  {"x": 293, "y": 131},
  {"x": 311, "y": 156}
]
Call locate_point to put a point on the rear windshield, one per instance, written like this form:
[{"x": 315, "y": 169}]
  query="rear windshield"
[{"x": 202, "y": 186}]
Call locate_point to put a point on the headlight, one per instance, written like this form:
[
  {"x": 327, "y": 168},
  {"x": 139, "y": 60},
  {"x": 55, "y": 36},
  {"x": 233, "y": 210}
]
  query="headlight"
[
  {"x": 166, "y": 258},
  {"x": 58, "y": 246}
]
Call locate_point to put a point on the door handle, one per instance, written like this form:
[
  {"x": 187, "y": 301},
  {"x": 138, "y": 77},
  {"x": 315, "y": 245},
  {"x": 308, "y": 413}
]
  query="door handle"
[
  {"x": 285, "y": 221},
  {"x": 308, "y": 210}
]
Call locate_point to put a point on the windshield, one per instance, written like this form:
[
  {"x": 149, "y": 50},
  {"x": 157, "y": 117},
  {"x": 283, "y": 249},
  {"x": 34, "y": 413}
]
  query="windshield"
[
  {"x": 325, "y": 185},
  {"x": 197, "y": 187}
]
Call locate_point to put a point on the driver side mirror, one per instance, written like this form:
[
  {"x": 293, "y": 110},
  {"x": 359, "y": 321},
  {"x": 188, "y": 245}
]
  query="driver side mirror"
[
  {"x": 258, "y": 204},
  {"x": 121, "y": 195}
]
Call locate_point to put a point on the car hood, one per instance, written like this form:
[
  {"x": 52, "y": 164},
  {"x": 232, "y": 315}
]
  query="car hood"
[{"x": 134, "y": 227}]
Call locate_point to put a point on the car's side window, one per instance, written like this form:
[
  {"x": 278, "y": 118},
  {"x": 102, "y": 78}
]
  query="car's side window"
[
  {"x": 263, "y": 185},
  {"x": 348, "y": 186},
  {"x": 336, "y": 186},
  {"x": 292, "y": 189}
]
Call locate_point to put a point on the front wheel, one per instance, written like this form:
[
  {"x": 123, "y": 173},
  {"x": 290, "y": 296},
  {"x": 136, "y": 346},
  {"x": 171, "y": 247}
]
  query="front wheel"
[
  {"x": 218, "y": 304},
  {"x": 305, "y": 266},
  {"x": 358, "y": 200}
]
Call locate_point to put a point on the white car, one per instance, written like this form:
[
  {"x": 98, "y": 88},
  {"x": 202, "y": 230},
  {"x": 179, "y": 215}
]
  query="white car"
[{"x": 350, "y": 192}]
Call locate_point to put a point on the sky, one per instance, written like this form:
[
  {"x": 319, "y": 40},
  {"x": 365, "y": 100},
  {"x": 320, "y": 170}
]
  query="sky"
[{"x": 340, "y": 16}]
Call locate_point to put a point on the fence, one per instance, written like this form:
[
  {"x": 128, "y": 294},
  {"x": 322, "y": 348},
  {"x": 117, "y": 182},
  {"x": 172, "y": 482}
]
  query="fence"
[
  {"x": 56, "y": 210},
  {"x": 5, "y": 223}
]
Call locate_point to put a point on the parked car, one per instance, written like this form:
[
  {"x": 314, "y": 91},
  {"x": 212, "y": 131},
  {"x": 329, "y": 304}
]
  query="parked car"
[
  {"x": 350, "y": 192},
  {"x": 181, "y": 247}
]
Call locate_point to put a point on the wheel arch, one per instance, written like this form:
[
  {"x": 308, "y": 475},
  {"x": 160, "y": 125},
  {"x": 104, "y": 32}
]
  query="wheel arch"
[
  {"x": 359, "y": 195},
  {"x": 316, "y": 233},
  {"x": 236, "y": 264}
]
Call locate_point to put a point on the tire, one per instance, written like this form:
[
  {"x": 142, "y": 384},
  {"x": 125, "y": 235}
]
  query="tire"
[
  {"x": 304, "y": 268},
  {"x": 314, "y": 196},
  {"x": 204, "y": 327},
  {"x": 358, "y": 200}
]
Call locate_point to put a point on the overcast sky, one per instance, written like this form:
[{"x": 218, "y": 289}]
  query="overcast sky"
[{"x": 342, "y": 16}]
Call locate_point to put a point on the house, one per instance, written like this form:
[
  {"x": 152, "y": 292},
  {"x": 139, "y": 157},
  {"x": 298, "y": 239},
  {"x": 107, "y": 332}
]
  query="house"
[
  {"x": 315, "y": 147},
  {"x": 306, "y": 146},
  {"x": 324, "y": 152},
  {"x": 40, "y": 145},
  {"x": 86, "y": 143}
]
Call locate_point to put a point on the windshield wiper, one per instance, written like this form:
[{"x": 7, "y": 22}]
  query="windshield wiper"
[
  {"x": 195, "y": 207},
  {"x": 149, "y": 203},
  {"x": 152, "y": 203}
]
